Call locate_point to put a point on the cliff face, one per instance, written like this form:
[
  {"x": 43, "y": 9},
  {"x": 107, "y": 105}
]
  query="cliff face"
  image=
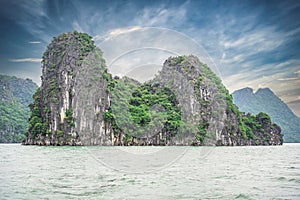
[
  {"x": 68, "y": 108},
  {"x": 79, "y": 103},
  {"x": 208, "y": 110},
  {"x": 15, "y": 95}
]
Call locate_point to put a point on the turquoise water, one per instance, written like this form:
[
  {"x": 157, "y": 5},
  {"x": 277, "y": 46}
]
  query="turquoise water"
[{"x": 264, "y": 172}]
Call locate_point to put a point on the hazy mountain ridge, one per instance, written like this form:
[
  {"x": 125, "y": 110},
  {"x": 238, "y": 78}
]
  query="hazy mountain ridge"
[
  {"x": 15, "y": 97},
  {"x": 264, "y": 100}
]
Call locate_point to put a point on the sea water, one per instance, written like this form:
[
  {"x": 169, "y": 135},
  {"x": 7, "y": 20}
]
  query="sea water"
[{"x": 248, "y": 172}]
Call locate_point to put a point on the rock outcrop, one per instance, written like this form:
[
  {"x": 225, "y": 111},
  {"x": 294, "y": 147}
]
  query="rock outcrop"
[
  {"x": 72, "y": 97},
  {"x": 80, "y": 103},
  {"x": 208, "y": 108}
]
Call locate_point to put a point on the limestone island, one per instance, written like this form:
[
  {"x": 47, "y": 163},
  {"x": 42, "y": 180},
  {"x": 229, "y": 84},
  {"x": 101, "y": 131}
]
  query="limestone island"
[{"x": 80, "y": 103}]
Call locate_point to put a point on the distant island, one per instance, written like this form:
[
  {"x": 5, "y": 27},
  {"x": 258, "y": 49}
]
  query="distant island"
[
  {"x": 15, "y": 96},
  {"x": 80, "y": 103},
  {"x": 264, "y": 100}
]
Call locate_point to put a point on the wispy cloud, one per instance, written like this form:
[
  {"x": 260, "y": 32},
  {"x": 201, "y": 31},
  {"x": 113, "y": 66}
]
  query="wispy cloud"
[
  {"x": 34, "y": 60},
  {"x": 35, "y": 19},
  {"x": 288, "y": 79},
  {"x": 119, "y": 31},
  {"x": 253, "y": 44},
  {"x": 162, "y": 15},
  {"x": 34, "y": 42},
  {"x": 263, "y": 39},
  {"x": 116, "y": 32},
  {"x": 244, "y": 48},
  {"x": 77, "y": 26},
  {"x": 296, "y": 101}
]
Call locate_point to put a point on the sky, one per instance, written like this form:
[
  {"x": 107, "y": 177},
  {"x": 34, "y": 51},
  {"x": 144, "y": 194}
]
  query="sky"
[{"x": 252, "y": 43}]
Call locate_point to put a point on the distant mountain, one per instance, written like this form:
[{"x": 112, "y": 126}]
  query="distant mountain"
[
  {"x": 15, "y": 96},
  {"x": 264, "y": 100}
]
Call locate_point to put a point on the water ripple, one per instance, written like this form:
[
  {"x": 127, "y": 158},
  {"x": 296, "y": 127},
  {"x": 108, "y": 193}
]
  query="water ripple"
[{"x": 31, "y": 172}]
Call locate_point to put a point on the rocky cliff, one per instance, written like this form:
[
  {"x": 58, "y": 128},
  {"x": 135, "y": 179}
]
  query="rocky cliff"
[
  {"x": 80, "y": 103},
  {"x": 68, "y": 108}
]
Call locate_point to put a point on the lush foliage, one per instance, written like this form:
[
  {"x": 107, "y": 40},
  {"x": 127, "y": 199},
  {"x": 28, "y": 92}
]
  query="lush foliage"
[
  {"x": 36, "y": 124},
  {"x": 150, "y": 107},
  {"x": 146, "y": 96},
  {"x": 69, "y": 118},
  {"x": 15, "y": 95}
]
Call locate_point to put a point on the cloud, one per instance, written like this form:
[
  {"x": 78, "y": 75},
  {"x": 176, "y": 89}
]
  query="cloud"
[
  {"x": 240, "y": 55},
  {"x": 34, "y": 18},
  {"x": 116, "y": 32},
  {"x": 294, "y": 106},
  {"x": 263, "y": 39},
  {"x": 288, "y": 79},
  {"x": 98, "y": 37},
  {"x": 34, "y": 60},
  {"x": 234, "y": 59},
  {"x": 253, "y": 45},
  {"x": 76, "y": 26},
  {"x": 119, "y": 31},
  {"x": 293, "y": 32},
  {"x": 141, "y": 48},
  {"x": 279, "y": 77},
  {"x": 34, "y": 42},
  {"x": 163, "y": 15},
  {"x": 258, "y": 57},
  {"x": 295, "y": 101},
  {"x": 250, "y": 45}
]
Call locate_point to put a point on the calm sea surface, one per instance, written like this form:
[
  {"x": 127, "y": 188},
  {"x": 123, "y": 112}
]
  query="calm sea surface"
[{"x": 264, "y": 172}]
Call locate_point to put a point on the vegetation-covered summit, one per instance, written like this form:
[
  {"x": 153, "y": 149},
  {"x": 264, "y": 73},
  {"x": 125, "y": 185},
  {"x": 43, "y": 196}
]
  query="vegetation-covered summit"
[{"x": 71, "y": 64}]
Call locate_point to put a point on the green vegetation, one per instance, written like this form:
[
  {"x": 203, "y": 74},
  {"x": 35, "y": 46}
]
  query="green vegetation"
[
  {"x": 109, "y": 117},
  {"x": 15, "y": 96},
  {"x": 69, "y": 118},
  {"x": 178, "y": 60},
  {"x": 36, "y": 125},
  {"x": 121, "y": 90},
  {"x": 146, "y": 96},
  {"x": 202, "y": 133},
  {"x": 150, "y": 107},
  {"x": 85, "y": 43},
  {"x": 111, "y": 82}
]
